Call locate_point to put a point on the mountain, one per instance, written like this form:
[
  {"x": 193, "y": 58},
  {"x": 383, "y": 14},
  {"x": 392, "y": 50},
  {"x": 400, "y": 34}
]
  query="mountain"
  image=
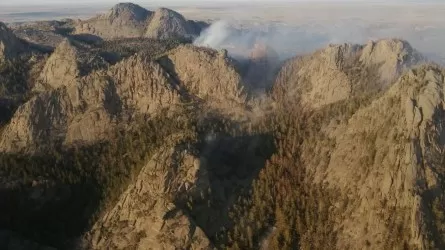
[
  {"x": 123, "y": 20},
  {"x": 67, "y": 63},
  {"x": 387, "y": 160},
  {"x": 166, "y": 23},
  {"x": 84, "y": 109},
  {"x": 10, "y": 45},
  {"x": 339, "y": 71},
  {"x": 154, "y": 143},
  {"x": 126, "y": 20}
]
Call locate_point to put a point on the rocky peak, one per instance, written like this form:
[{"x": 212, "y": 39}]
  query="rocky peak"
[
  {"x": 166, "y": 23},
  {"x": 127, "y": 11},
  {"x": 205, "y": 73},
  {"x": 10, "y": 45},
  {"x": 393, "y": 55},
  {"x": 89, "y": 108},
  {"x": 66, "y": 64},
  {"x": 341, "y": 71},
  {"x": 123, "y": 20}
]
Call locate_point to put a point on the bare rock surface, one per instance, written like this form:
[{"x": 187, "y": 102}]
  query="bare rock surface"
[
  {"x": 127, "y": 20},
  {"x": 166, "y": 23},
  {"x": 340, "y": 71},
  {"x": 205, "y": 73},
  {"x": 145, "y": 217},
  {"x": 87, "y": 108},
  {"x": 67, "y": 63},
  {"x": 385, "y": 164},
  {"x": 123, "y": 20}
]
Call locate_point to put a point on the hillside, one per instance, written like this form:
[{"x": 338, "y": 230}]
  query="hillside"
[
  {"x": 144, "y": 141},
  {"x": 127, "y": 20}
]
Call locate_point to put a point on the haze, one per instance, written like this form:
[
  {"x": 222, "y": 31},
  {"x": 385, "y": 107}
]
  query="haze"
[{"x": 299, "y": 26}]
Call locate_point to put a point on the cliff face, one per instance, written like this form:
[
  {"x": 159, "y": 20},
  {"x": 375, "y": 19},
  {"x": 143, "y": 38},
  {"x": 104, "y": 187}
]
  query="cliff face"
[
  {"x": 145, "y": 216},
  {"x": 385, "y": 164},
  {"x": 66, "y": 64},
  {"x": 78, "y": 103},
  {"x": 339, "y": 71},
  {"x": 206, "y": 74},
  {"x": 85, "y": 109}
]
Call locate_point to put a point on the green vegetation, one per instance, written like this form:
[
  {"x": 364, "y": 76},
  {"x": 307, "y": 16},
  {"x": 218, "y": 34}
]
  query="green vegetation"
[
  {"x": 115, "y": 50},
  {"x": 13, "y": 87},
  {"x": 57, "y": 196}
]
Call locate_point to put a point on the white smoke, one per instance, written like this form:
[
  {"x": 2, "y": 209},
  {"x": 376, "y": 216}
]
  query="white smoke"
[
  {"x": 214, "y": 36},
  {"x": 290, "y": 40},
  {"x": 287, "y": 41}
]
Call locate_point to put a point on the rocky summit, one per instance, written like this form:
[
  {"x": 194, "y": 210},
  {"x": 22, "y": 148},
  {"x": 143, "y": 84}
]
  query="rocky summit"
[
  {"x": 138, "y": 139},
  {"x": 131, "y": 20}
]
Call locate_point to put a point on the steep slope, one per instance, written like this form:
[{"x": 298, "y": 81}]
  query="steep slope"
[
  {"x": 87, "y": 108},
  {"x": 392, "y": 56},
  {"x": 339, "y": 71},
  {"x": 66, "y": 64},
  {"x": 10, "y": 45},
  {"x": 145, "y": 212},
  {"x": 166, "y": 23},
  {"x": 386, "y": 165},
  {"x": 205, "y": 73},
  {"x": 123, "y": 20}
]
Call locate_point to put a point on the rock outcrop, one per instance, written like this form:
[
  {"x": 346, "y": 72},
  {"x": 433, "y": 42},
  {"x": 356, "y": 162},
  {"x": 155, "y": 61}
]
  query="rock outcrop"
[
  {"x": 123, "y": 20},
  {"x": 205, "y": 73},
  {"x": 166, "y": 23},
  {"x": 66, "y": 64},
  {"x": 145, "y": 213},
  {"x": 386, "y": 165},
  {"x": 83, "y": 106},
  {"x": 339, "y": 71},
  {"x": 10, "y": 45},
  {"x": 392, "y": 57},
  {"x": 84, "y": 110},
  {"x": 127, "y": 20}
]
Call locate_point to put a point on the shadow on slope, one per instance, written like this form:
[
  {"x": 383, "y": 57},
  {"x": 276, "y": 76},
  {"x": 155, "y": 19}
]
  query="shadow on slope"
[{"x": 232, "y": 163}]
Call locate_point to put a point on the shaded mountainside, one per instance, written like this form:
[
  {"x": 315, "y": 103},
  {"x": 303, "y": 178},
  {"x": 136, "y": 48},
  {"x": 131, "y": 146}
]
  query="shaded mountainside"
[
  {"x": 145, "y": 142},
  {"x": 10, "y": 45}
]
